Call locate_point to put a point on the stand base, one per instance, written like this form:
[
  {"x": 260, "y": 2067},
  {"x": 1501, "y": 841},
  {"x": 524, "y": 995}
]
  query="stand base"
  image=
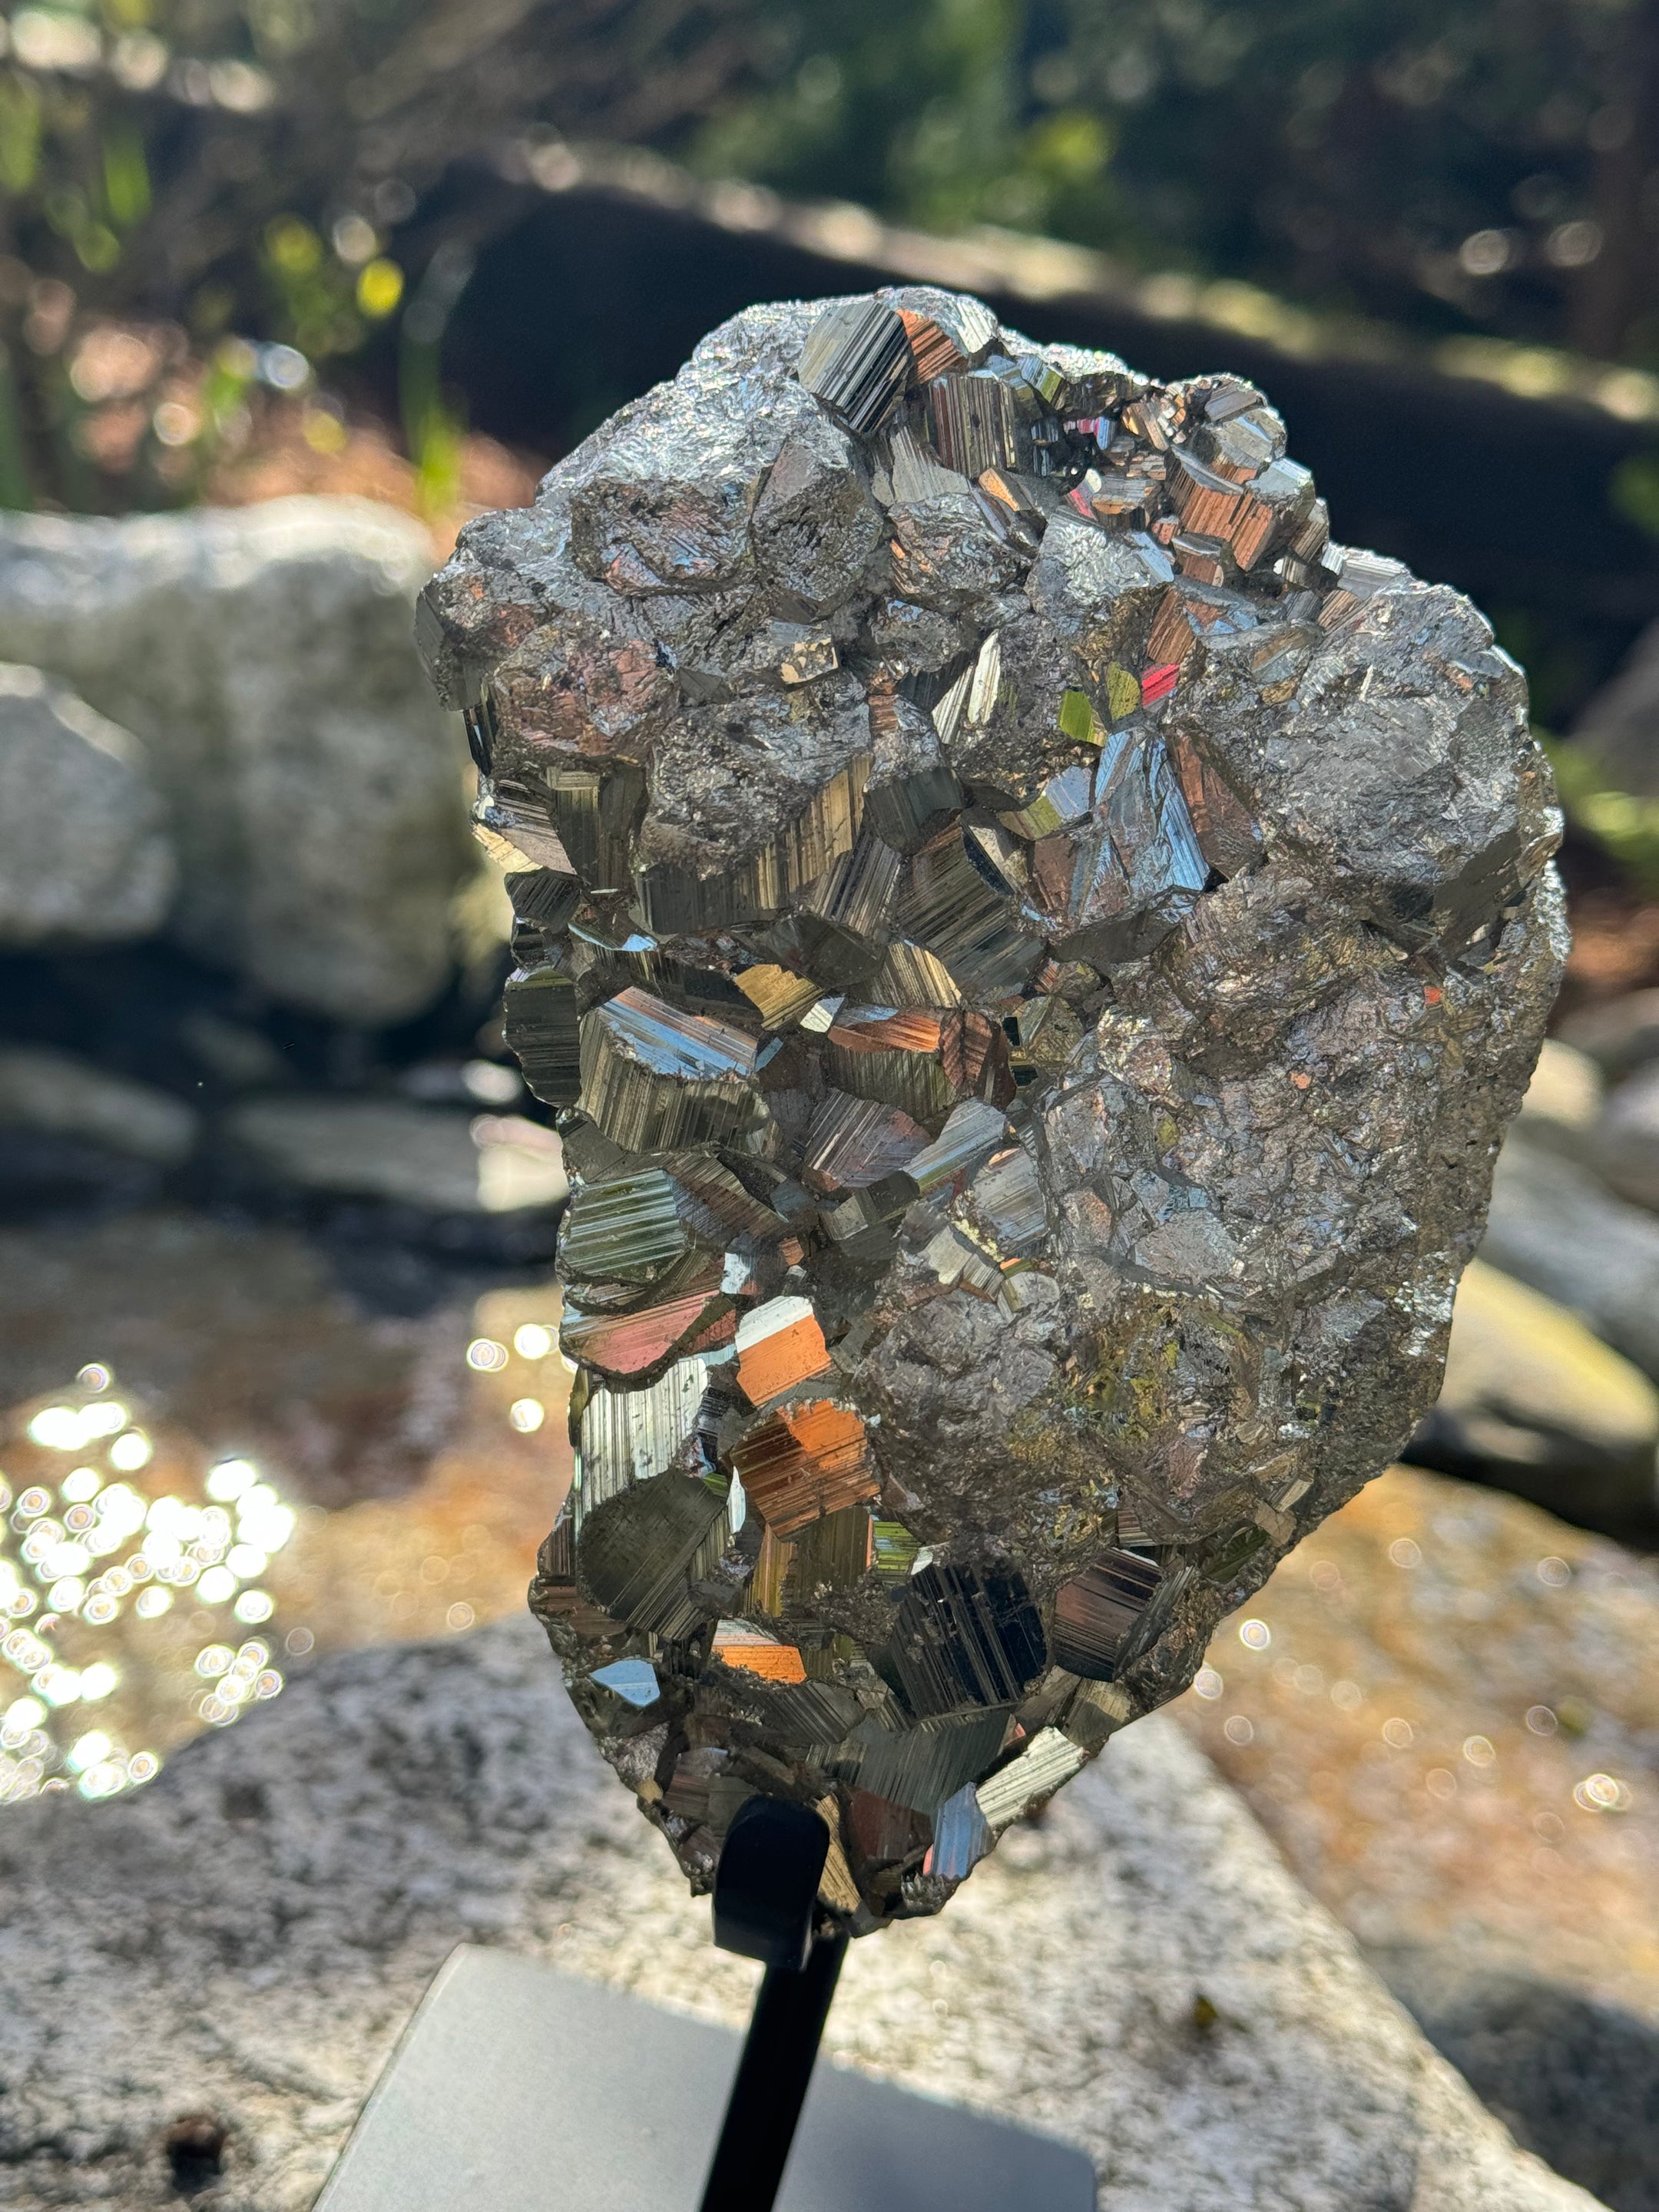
[{"x": 519, "y": 2089}]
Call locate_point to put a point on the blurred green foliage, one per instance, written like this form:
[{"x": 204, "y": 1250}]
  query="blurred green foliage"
[
  {"x": 927, "y": 109},
  {"x": 313, "y": 294},
  {"x": 1553, "y": 656},
  {"x": 1636, "y": 491},
  {"x": 1464, "y": 164},
  {"x": 288, "y": 168},
  {"x": 1626, "y": 825},
  {"x": 194, "y": 169}
]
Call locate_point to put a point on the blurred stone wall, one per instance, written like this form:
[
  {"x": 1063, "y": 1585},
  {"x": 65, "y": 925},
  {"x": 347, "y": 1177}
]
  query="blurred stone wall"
[{"x": 268, "y": 706}]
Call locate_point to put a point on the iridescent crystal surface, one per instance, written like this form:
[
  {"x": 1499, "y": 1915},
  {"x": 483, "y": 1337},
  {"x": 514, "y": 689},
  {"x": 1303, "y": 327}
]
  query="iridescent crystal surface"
[{"x": 1035, "y": 947}]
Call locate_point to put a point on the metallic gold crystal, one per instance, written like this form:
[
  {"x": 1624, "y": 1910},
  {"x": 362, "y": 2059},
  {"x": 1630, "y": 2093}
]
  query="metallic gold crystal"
[
  {"x": 811, "y": 1459},
  {"x": 626, "y": 1437},
  {"x": 654, "y": 1078},
  {"x": 779, "y": 1345}
]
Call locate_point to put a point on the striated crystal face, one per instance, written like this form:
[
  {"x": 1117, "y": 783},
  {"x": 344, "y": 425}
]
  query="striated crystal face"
[{"x": 1035, "y": 946}]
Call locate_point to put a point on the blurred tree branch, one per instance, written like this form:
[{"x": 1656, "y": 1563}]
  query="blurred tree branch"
[
  {"x": 242, "y": 165},
  {"x": 253, "y": 166},
  {"x": 1458, "y": 165}
]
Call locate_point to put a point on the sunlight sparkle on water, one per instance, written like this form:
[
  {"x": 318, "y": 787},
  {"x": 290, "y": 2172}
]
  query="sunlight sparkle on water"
[{"x": 109, "y": 1552}]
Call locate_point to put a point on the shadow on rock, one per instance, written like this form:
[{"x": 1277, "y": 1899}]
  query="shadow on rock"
[{"x": 1574, "y": 2079}]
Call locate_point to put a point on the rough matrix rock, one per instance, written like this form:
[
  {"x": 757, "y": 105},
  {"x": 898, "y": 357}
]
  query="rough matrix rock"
[
  {"x": 85, "y": 857},
  {"x": 261, "y": 655},
  {"x": 1039, "y": 947},
  {"x": 242, "y": 1941}
]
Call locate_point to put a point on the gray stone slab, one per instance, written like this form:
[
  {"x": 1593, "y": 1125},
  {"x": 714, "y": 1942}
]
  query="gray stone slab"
[
  {"x": 527, "y": 2090},
  {"x": 247, "y": 1938}
]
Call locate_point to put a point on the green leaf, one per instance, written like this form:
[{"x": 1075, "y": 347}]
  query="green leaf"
[
  {"x": 20, "y": 133},
  {"x": 126, "y": 179},
  {"x": 1626, "y": 825}
]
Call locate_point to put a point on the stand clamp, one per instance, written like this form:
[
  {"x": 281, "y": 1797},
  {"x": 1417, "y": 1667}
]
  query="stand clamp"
[{"x": 765, "y": 1907}]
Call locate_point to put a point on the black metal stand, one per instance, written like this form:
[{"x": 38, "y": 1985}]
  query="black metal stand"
[
  {"x": 765, "y": 1904},
  {"x": 770, "y": 2088},
  {"x": 524, "y": 2090}
]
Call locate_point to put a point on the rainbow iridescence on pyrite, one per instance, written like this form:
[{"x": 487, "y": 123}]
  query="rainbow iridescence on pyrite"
[{"x": 1035, "y": 948}]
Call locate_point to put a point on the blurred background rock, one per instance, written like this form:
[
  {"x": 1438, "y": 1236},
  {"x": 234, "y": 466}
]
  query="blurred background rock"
[{"x": 288, "y": 289}]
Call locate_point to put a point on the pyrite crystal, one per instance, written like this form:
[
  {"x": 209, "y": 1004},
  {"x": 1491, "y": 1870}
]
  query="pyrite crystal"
[{"x": 1035, "y": 947}]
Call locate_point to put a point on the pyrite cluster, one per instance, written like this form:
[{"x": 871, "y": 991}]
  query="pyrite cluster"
[{"x": 1036, "y": 947}]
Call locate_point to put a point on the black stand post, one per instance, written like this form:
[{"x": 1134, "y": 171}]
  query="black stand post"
[
  {"x": 525, "y": 2090},
  {"x": 765, "y": 1902},
  {"x": 773, "y": 2074}
]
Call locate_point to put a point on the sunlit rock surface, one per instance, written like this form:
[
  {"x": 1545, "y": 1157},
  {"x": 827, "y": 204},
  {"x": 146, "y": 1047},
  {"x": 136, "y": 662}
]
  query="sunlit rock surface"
[
  {"x": 239, "y": 1946},
  {"x": 1556, "y": 1225},
  {"x": 1533, "y": 1402},
  {"x": 1444, "y": 1708},
  {"x": 1038, "y": 947},
  {"x": 463, "y": 1169},
  {"x": 53, "y": 1094}
]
